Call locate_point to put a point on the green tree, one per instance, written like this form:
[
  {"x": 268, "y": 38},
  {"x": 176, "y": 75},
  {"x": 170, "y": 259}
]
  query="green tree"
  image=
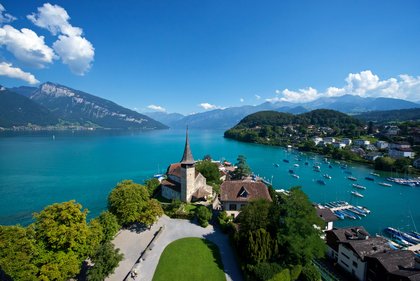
[
  {"x": 57, "y": 265},
  {"x": 310, "y": 273},
  {"x": 209, "y": 170},
  {"x": 260, "y": 246},
  {"x": 151, "y": 213},
  {"x": 127, "y": 201},
  {"x": 242, "y": 168},
  {"x": 293, "y": 219},
  {"x": 152, "y": 185},
  {"x": 63, "y": 227},
  {"x": 203, "y": 215},
  {"x": 254, "y": 216},
  {"x": 17, "y": 249},
  {"x": 110, "y": 225},
  {"x": 207, "y": 157},
  {"x": 402, "y": 164},
  {"x": 105, "y": 260},
  {"x": 384, "y": 163},
  {"x": 265, "y": 271},
  {"x": 283, "y": 275}
]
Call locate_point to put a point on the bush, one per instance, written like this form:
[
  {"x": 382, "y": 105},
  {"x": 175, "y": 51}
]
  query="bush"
[
  {"x": 310, "y": 273},
  {"x": 203, "y": 216}
]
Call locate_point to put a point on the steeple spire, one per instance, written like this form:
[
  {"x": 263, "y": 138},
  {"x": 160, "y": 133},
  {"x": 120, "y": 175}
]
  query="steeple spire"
[{"x": 187, "y": 157}]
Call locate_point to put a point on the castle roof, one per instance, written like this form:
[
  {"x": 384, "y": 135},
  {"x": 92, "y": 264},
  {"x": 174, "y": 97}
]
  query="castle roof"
[{"x": 187, "y": 157}]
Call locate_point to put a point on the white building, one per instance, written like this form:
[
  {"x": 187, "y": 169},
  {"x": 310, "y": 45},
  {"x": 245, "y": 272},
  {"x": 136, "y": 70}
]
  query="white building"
[
  {"x": 329, "y": 140},
  {"x": 346, "y": 141},
  {"x": 401, "y": 153},
  {"x": 361, "y": 142},
  {"x": 381, "y": 144},
  {"x": 339, "y": 145},
  {"x": 348, "y": 247},
  {"x": 317, "y": 140},
  {"x": 327, "y": 216}
]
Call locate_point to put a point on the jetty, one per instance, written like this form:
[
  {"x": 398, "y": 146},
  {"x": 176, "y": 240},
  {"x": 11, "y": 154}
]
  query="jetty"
[{"x": 344, "y": 210}]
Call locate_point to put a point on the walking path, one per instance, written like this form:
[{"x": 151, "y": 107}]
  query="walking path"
[{"x": 132, "y": 244}]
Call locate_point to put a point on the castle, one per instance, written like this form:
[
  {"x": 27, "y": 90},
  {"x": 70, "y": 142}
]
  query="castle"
[{"x": 183, "y": 181}]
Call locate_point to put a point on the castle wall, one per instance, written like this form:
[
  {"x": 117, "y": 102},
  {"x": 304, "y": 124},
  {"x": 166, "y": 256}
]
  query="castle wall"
[{"x": 170, "y": 194}]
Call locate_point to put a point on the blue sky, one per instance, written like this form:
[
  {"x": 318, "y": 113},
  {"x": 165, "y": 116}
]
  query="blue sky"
[{"x": 191, "y": 56}]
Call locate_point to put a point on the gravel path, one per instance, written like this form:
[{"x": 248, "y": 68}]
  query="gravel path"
[{"x": 132, "y": 244}]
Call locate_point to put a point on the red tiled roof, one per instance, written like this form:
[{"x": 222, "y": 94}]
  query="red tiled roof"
[
  {"x": 243, "y": 191},
  {"x": 171, "y": 184},
  {"x": 174, "y": 169}
]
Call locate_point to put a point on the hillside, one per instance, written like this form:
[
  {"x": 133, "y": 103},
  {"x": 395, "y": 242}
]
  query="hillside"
[
  {"x": 17, "y": 110},
  {"x": 276, "y": 128},
  {"x": 387, "y": 116}
]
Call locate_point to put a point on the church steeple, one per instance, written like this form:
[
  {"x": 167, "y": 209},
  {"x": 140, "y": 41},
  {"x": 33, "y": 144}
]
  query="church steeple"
[{"x": 187, "y": 157}]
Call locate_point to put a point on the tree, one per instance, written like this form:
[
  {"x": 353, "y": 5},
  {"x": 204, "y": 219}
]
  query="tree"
[
  {"x": 310, "y": 273},
  {"x": 127, "y": 201},
  {"x": 242, "y": 168},
  {"x": 152, "y": 185},
  {"x": 293, "y": 219},
  {"x": 17, "y": 249},
  {"x": 207, "y": 157},
  {"x": 57, "y": 265},
  {"x": 209, "y": 170},
  {"x": 384, "y": 163},
  {"x": 110, "y": 225},
  {"x": 63, "y": 227},
  {"x": 105, "y": 260},
  {"x": 260, "y": 247},
  {"x": 254, "y": 216},
  {"x": 203, "y": 215},
  {"x": 152, "y": 211},
  {"x": 402, "y": 164}
]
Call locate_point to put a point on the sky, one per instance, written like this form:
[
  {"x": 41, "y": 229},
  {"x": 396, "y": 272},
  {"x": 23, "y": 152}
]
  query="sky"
[{"x": 191, "y": 56}]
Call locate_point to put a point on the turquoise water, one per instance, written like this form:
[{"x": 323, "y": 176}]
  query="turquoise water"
[{"x": 36, "y": 170}]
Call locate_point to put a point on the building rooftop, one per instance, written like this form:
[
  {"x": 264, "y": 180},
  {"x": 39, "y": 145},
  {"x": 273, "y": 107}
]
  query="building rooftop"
[
  {"x": 172, "y": 184},
  {"x": 325, "y": 214},
  {"x": 243, "y": 191},
  {"x": 187, "y": 157},
  {"x": 398, "y": 262}
]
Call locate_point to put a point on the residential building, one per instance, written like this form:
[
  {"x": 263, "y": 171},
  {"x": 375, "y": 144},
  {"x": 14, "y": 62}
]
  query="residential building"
[
  {"x": 329, "y": 140},
  {"x": 236, "y": 194},
  {"x": 346, "y": 141},
  {"x": 327, "y": 216},
  {"x": 371, "y": 156},
  {"x": 370, "y": 147},
  {"x": 401, "y": 153},
  {"x": 399, "y": 145},
  {"x": 339, "y": 145},
  {"x": 348, "y": 247},
  {"x": 381, "y": 144},
  {"x": 361, "y": 142},
  {"x": 391, "y": 131},
  {"x": 396, "y": 265},
  {"x": 317, "y": 140},
  {"x": 183, "y": 181},
  {"x": 416, "y": 163}
]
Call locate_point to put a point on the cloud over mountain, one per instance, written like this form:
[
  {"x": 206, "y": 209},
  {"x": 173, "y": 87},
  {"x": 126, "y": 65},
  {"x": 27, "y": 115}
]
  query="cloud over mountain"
[
  {"x": 6, "y": 69},
  {"x": 156, "y": 108},
  {"x": 364, "y": 84},
  {"x": 208, "y": 106}
]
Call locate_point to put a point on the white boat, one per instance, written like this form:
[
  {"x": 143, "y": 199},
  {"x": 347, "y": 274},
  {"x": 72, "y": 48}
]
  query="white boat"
[
  {"x": 358, "y": 186},
  {"x": 295, "y": 176},
  {"x": 327, "y": 176},
  {"x": 375, "y": 174},
  {"x": 357, "y": 194},
  {"x": 385, "y": 184},
  {"x": 296, "y": 165}
]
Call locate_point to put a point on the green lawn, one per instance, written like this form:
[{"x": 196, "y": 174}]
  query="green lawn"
[{"x": 190, "y": 259}]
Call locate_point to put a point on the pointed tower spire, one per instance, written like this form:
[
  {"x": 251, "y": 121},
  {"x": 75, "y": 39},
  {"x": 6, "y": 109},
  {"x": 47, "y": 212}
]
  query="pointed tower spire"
[{"x": 187, "y": 157}]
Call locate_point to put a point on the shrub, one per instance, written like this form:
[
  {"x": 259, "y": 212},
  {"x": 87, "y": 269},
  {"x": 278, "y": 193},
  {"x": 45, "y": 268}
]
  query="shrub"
[{"x": 203, "y": 216}]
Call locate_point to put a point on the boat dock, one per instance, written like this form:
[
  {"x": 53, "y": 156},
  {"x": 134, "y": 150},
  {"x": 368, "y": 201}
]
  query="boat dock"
[{"x": 343, "y": 210}]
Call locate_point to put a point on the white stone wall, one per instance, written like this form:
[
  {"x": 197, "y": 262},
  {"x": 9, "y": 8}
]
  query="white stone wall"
[{"x": 347, "y": 258}]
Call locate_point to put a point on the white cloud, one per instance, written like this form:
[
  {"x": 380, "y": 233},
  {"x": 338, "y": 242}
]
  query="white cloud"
[
  {"x": 258, "y": 97},
  {"x": 26, "y": 46},
  {"x": 278, "y": 92},
  {"x": 208, "y": 106},
  {"x": 364, "y": 84},
  {"x": 74, "y": 49},
  {"x": 241, "y": 100},
  {"x": 8, "y": 70},
  {"x": 157, "y": 108},
  {"x": 5, "y": 17}
]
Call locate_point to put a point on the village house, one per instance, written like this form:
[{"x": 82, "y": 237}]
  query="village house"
[
  {"x": 390, "y": 131},
  {"x": 236, "y": 194},
  {"x": 183, "y": 181},
  {"x": 329, "y": 140},
  {"x": 346, "y": 141},
  {"x": 381, "y": 144},
  {"x": 396, "y": 265},
  {"x": 317, "y": 140},
  {"x": 372, "y": 156},
  {"x": 360, "y": 142},
  {"x": 401, "y": 153},
  {"x": 339, "y": 145},
  {"x": 327, "y": 216},
  {"x": 349, "y": 247}
]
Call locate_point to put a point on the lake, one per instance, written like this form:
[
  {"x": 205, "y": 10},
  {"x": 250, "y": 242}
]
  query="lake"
[{"x": 37, "y": 170}]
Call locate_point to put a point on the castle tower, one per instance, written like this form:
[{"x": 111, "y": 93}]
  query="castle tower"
[{"x": 187, "y": 172}]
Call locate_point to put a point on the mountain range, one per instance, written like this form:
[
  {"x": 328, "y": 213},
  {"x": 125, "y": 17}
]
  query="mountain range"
[
  {"x": 227, "y": 118},
  {"x": 59, "y": 104}
]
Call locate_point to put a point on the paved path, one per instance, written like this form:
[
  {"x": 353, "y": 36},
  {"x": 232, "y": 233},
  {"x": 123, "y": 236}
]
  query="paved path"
[{"x": 174, "y": 229}]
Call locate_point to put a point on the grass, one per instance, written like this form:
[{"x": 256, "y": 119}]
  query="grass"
[{"x": 190, "y": 259}]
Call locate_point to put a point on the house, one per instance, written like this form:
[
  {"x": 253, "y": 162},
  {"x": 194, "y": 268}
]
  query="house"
[
  {"x": 183, "y": 181},
  {"x": 349, "y": 247},
  {"x": 416, "y": 163},
  {"x": 397, "y": 265},
  {"x": 317, "y": 140},
  {"x": 361, "y": 142},
  {"x": 391, "y": 131},
  {"x": 236, "y": 194},
  {"x": 329, "y": 140},
  {"x": 359, "y": 151},
  {"x": 370, "y": 147},
  {"x": 327, "y": 216},
  {"x": 339, "y": 145},
  {"x": 381, "y": 144},
  {"x": 401, "y": 153},
  {"x": 371, "y": 156},
  {"x": 346, "y": 141},
  {"x": 399, "y": 145}
]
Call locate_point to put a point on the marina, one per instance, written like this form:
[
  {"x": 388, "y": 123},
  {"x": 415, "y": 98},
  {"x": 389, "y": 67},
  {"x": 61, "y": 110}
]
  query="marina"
[{"x": 343, "y": 210}]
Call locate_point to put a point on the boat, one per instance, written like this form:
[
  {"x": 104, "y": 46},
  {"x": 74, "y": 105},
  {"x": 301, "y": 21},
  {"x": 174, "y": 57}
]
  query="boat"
[
  {"x": 357, "y": 194},
  {"x": 402, "y": 235},
  {"x": 348, "y": 172},
  {"x": 322, "y": 182},
  {"x": 276, "y": 165},
  {"x": 369, "y": 178},
  {"x": 296, "y": 165},
  {"x": 364, "y": 209},
  {"x": 285, "y": 161},
  {"x": 329, "y": 166},
  {"x": 385, "y": 184},
  {"x": 291, "y": 171},
  {"x": 306, "y": 163},
  {"x": 357, "y": 212},
  {"x": 358, "y": 186},
  {"x": 339, "y": 215},
  {"x": 295, "y": 176},
  {"x": 374, "y": 174},
  {"x": 349, "y": 215},
  {"x": 414, "y": 234},
  {"x": 352, "y": 178},
  {"x": 327, "y": 176}
]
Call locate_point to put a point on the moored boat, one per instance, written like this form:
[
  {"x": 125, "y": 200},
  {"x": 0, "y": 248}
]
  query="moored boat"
[
  {"x": 322, "y": 182},
  {"x": 385, "y": 184},
  {"x": 358, "y": 186},
  {"x": 296, "y": 165},
  {"x": 357, "y": 194},
  {"x": 327, "y": 176},
  {"x": 285, "y": 160},
  {"x": 291, "y": 171},
  {"x": 276, "y": 165},
  {"x": 369, "y": 178},
  {"x": 374, "y": 174},
  {"x": 295, "y": 176},
  {"x": 352, "y": 178}
]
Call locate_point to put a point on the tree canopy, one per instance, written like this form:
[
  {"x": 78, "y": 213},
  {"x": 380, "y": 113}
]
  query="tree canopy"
[
  {"x": 242, "y": 168},
  {"x": 209, "y": 170}
]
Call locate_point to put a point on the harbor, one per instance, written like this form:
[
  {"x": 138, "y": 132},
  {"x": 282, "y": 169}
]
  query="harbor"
[{"x": 344, "y": 210}]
